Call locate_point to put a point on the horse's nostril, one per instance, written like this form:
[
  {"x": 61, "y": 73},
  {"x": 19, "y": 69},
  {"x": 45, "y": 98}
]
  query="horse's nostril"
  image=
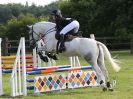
[{"x": 32, "y": 46}]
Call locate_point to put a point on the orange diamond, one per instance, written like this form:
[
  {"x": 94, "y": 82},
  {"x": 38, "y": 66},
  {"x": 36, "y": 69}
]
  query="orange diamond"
[
  {"x": 75, "y": 79},
  {"x": 93, "y": 74},
  {"x": 55, "y": 77},
  {"x": 37, "y": 84},
  {"x": 63, "y": 81},
  {"x": 83, "y": 75},
  {"x": 80, "y": 79},
  {"x": 45, "y": 87},
  {"x": 70, "y": 80},
  {"x": 93, "y": 82}
]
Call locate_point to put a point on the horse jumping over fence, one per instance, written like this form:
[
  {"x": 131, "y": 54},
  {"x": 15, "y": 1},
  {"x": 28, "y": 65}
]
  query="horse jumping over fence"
[{"x": 92, "y": 50}]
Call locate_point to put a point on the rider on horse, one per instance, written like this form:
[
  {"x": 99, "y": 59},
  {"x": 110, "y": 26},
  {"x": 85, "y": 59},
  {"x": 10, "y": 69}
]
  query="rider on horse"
[{"x": 64, "y": 26}]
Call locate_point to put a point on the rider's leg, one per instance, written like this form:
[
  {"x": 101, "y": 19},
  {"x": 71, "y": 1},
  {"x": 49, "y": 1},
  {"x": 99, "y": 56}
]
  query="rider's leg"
[
  {"x": 62, "y": 46},
  {"x": 73, "y": 25}
]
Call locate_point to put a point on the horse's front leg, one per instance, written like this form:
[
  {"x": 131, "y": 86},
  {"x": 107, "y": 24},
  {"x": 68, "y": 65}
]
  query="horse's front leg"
[
  {"x": 43, "y": 56},
  {"x": 52, "y": 55}
]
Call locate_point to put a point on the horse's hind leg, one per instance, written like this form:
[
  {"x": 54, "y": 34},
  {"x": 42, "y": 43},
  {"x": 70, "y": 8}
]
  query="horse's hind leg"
[
  {"x": 101, "y": 64},
  {"x": 93, "y": 63}
]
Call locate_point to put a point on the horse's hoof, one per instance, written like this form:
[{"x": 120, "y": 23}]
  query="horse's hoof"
[
  {"x": 54, "y": 57},
  {"x": 108, "y": 85},
  {"x": 111, "y": 89},
  {"x": 104, "y": 89},
  {"x": 45, "y": 59}
]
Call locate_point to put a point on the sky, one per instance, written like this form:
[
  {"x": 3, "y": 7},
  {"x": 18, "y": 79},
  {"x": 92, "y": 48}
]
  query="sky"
[{"x": 30, "y": 2}]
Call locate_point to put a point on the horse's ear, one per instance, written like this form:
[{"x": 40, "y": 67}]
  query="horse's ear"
[{"x": 29, "y": 26}]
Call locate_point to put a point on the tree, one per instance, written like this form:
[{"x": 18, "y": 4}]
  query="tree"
[
  {"x": 5, "y": 13},
  {"x": 2, "y": 30},
  {"x": 101, "y": 17},
  {"x": 17, "y": 27}
]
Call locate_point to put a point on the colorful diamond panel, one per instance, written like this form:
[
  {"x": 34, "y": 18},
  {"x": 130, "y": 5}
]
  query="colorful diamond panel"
[
  {"x": 49, "y": 83},
  {"x": 82, "y": 79}
]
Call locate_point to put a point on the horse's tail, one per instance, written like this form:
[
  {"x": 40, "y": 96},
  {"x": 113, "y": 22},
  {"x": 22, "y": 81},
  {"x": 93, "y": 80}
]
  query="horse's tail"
[{"x": 107, "y": 55}]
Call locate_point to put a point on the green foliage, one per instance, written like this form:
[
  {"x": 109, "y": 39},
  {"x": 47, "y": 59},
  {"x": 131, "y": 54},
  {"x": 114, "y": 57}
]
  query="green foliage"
[
  {"x": 5, "y": 13},
  {"x": 2, "y": 30},
  {"x": 101, "y": 17},
  {"x": 14, "y": 18},
  {"x": 122, "y": 90},
  {"x": 17, "y": 27}
]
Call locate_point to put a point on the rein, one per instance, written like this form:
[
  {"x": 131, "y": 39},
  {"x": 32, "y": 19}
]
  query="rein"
[
  {"x": 33, "y": 32},
  {"x": 49, "y": 31},
  {"x": 40, "y": 37}
]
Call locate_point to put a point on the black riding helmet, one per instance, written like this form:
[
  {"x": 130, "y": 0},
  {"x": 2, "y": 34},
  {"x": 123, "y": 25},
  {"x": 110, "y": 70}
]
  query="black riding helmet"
[{"x": 56, "y": 13}]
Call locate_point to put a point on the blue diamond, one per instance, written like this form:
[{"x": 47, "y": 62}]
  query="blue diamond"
[
  {"x": 47, "y": 82},
  {"x": 88, "y": 74},
  {"x": 55, "y": 86},
  {"x": 73, "y": 84},
  {"x": 86, "y": 78}
]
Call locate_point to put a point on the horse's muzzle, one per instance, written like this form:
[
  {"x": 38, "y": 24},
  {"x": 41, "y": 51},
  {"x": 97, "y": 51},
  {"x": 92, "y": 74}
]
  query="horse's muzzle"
[{"x": 32, "y": 44}]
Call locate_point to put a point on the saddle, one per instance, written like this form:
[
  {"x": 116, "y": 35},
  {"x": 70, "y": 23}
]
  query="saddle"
[{"x": 68, "y": 37}]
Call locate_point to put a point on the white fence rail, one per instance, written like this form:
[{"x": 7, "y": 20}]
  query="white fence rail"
[{"x": 18, "y": 82}]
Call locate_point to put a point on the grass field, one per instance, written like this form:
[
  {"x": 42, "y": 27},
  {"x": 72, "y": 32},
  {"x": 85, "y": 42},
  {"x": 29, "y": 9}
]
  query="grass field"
[{"x": 122, "y": 90}]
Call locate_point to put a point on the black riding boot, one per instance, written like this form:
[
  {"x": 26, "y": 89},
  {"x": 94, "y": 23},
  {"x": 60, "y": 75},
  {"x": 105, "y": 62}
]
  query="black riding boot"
[{"x": 62, "y": 46}]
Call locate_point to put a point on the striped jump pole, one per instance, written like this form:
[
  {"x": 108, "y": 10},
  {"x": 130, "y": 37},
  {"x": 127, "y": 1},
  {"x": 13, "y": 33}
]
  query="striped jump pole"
[
  {"x": 58, "y": 70},
  {"x": 11, "y": 62},
  {"x": 29, "y": 68},
  {"x": 13, "y": 57}
]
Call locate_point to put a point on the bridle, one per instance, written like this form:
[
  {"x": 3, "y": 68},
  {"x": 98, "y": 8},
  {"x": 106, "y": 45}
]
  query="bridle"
[{"x": 40, "y": 35}]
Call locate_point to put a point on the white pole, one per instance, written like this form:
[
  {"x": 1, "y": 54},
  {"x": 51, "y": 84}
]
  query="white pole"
[
  {"x": 44, "y": 63},
  {"x": 78, "y": 62},
  {"x": 39, "y": 60},
  {"x": 34, "y": 58},
  {"x": 74, "y": 61},
  {"x": 12, "y": 79},
  {"x": 24, "y": 84},
  {"x": 70, "y": 60},
  {"x": 1, "y": 87},
  {"x": 19, "y": 77},
  {"x": 49, "y": 62},
  {"x": 92, "y": 36},
  {"x": 53, "y": 62},
  {"x": 16, "y": 80}
]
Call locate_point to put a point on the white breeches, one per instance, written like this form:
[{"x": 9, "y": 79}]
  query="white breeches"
[{"x": 74, "y": 25}]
